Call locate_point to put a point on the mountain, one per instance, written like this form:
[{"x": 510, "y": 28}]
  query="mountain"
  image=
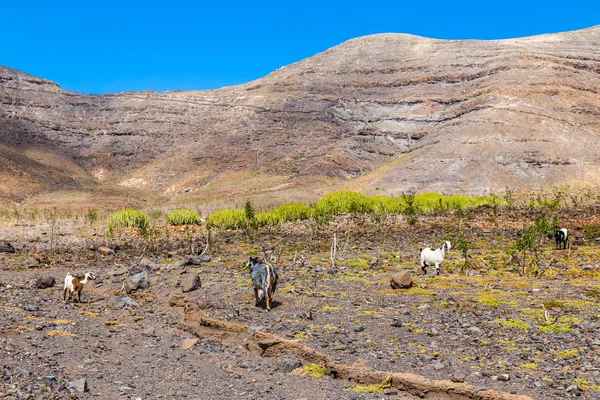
[{"x": 380, "y": 114}]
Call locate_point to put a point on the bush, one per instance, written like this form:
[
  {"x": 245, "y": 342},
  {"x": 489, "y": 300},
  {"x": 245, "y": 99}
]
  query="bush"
[
  {"x": 129, "y": 219},
  {"x": 184, "y": 217},
  {"x": 343, "y": 202},
  {"x": 232, "y": 218}
]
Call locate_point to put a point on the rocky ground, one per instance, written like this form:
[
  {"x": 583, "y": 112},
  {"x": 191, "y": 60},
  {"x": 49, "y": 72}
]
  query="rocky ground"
[{"x": 485, "y": 326}]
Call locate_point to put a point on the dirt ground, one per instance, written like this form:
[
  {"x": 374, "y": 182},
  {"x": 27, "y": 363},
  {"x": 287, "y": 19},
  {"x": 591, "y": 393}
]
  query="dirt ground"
[{"x": 483, "y": 332}]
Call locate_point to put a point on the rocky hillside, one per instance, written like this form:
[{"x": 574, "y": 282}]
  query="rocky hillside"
[{"x": 381, "y": 114}]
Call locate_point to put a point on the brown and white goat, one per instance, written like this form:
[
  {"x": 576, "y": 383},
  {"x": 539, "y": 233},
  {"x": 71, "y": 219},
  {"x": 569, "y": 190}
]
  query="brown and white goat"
[{"x": 74, "y": 284}]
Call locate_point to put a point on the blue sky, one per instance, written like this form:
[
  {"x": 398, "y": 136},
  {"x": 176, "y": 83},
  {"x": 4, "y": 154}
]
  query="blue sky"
[{"x": 112, "y": 46}]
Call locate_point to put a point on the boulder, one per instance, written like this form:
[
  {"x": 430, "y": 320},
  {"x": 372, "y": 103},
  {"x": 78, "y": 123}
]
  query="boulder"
[
  {"x": 137, "y": 281},
  {"x": 287, "y": 365},
  {"x": 122, "y": 302},
  {"x": 401, "y": 280},
  {"x": 190, "y": 283},
  {"x": 6, "y": 247},
  {"x": 44, "y": 282},
  {"x": 32, "y": 262}
]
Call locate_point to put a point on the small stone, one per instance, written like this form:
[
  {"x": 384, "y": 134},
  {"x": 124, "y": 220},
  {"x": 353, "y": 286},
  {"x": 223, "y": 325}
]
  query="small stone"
[
  {"x": 190, "y": 283},
  {"x": 401, "y": 280},
  {"x": 438, "y": 366},
  {"x": 253, "y": 329},
  {"x": 149, "y": 332},
  {"x": 105, "y": 251},
  {"x": 122, "y": 301},
  {"x": 359, "y": 328},
  {"x": 573, "y": 390},
  {"x": 504, "y": 377},
  {"x": 32, "y": 262},
  {"x": 340, "y": 346},
  {"x": 49, "y": 379},
  {"x": 457, "y": 378},
  {"x": 188, "y": 343},
  {"x": 80, "y": 385}
]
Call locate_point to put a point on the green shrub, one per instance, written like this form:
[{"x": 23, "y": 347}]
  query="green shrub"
[
  {"x": 343, "y": 202},
  {"x": 129, "y": 219},
  {"x": 232, "y": 218},
  {"x": 184, "y": 217},
  {"x": 292, "y": 212},
  {"x": 91, "y": 215}
]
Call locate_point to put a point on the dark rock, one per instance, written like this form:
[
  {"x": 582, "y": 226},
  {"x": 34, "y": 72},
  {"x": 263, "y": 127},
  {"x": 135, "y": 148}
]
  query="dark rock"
[
  {"x": 44, "y": 282},
  {"x": 138, "y": 281},
  {"x": 197, "y": 260},
  {"x": 287, "y": 365},
  {"x": 6, "y": 247},
  {"x": 49, "y": 380},
  {"x": 359, "y": 328},
  {"x": 190, "y": 283},
  {"x": 401, "y": 280}
]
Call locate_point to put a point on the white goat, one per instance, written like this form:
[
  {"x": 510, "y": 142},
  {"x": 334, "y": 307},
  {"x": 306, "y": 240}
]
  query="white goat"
[
  {"x": 430, "y": 257},
  {"x": 74, "y": 284}
]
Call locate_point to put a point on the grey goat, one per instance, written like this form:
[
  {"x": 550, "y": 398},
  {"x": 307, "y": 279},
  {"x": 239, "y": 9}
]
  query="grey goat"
[{"x": 264, "y": 280}]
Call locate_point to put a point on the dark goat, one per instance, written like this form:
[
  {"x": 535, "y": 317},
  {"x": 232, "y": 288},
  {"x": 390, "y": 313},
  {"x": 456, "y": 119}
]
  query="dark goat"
[
  {"x": 562, "y": 238},
  {"x": 264, "y": 280}
]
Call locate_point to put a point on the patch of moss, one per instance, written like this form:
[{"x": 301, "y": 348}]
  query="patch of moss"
[
  {"x": 529, "y": 366},
  {"x": 62, "y": 321},
  {"x": 327, "y": 307},
  {"x": 567, "y": 353},
  {"x": 513, "y": 323},
  {"x": 582, "y": 383},
  {"x": 375, "y": 388},
  {"x": 564, "y": 324},
  {"x": 360, "y": 264},
  {"x": 246, "y": 283},
  {"x": 494, "y": 299},
  {"x": 59, "y": 332},
  {"x": 301, "y": 335},
  {"x": 368, "y": 313},
  {"x": 553, "y": 304},
  {"x": 315, "y": 370}
]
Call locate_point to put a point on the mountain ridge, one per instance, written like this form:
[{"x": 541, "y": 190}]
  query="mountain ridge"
[{"x": 454, "y": 116}]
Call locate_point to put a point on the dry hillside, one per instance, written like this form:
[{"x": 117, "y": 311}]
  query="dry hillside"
[{"x": 381, "y": 114}]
